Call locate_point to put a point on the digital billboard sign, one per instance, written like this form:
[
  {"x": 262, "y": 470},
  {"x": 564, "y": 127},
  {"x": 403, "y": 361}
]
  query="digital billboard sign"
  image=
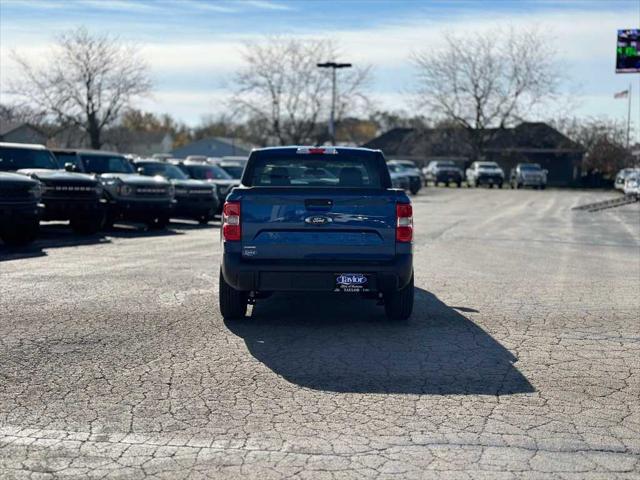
[{"x": 628, "y": 51}]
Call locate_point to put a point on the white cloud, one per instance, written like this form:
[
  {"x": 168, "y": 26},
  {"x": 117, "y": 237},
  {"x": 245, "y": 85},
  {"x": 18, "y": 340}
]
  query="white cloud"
[{"x": 266, "y": 5}]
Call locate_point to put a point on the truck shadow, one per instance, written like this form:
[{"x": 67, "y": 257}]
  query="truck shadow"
[{"x": 349, "y": 346}]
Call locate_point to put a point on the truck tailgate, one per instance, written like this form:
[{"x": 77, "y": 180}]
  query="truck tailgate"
[{"x": 320, "y": 224}]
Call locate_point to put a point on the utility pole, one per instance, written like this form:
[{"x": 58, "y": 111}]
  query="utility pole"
[
  {"x": 333, "y": 66},
  {"x": 629, "y": 116}
]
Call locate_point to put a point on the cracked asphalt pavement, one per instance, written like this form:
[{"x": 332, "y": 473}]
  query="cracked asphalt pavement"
[{"x": 521, "y": 360}]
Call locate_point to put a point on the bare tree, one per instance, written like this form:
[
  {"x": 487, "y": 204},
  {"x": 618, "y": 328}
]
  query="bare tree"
[
  {"x": 282, "y": 88},
  {"x": 87, "y": 81},
  {"x": 604, "y": 140},
  {"x": 487, "y": 80}
]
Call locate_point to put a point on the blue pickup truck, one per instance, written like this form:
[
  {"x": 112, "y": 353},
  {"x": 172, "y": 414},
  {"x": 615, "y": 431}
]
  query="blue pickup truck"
[{"x": 317, "y": 219}]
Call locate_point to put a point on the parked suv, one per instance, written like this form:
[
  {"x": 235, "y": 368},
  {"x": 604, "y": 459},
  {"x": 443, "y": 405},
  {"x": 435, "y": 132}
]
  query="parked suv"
[
  {"x": 66, "y": 195},
  {"x": 19, "y": 208},
  {"x": 317, "y": 219},
  {"x": 213, "y": 174},
  {"x": 528, "y": 175},
  {"x": 488, "y": 173},
  {"x": 410, "y": 169},
  {"x": 129, "y": 196},
  {"x": 443, "y": 171},
  {"x": 195, "y": 199}
]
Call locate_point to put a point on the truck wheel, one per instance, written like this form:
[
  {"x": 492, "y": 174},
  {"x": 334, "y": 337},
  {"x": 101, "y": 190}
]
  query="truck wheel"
[
  {"x": 203, "y": 219},
  {"x": 542, "y": 187},
  {"x": 414, "y": 190},
  {"x": 459, "y": 184},
  {"x": 398, "y": 305},
  {"x": 86, "y": 225},
  {"x": 21, "y": 234},
  {"x": 233, "y": 303},
  {"x": 500, "y": 185}
]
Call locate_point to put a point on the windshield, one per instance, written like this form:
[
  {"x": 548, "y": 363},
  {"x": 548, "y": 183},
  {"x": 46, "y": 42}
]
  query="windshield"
[
  {"x": 16, "y": 158},
  {"x": 206, "y": 172},
  {"x": 317, "y": 171},
  {"x": 531, "y": 167},
  {"x": 488, "y": 165},
  {"x": 234, "y": 170},
  {"x": 163, "y": 169},
  {"x": 98, "y": 164},
  {"x": 395, "y": 168}
]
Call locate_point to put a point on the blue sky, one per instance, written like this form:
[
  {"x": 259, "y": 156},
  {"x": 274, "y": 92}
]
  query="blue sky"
[{"x": 193, "y": 46}]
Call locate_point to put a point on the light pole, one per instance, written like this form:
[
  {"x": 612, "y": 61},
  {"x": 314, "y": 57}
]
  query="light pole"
[{"x": 333, "y": 66}]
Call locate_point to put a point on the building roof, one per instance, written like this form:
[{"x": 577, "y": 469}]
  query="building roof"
[
  {"x": 8, "y": 127},
  {"x": 442, "y": 142}
]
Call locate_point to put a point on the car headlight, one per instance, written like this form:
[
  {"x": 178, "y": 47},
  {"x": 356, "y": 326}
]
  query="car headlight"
[
  {"x": 36, "y": 191},
  {"x": 125, "y": 190}
]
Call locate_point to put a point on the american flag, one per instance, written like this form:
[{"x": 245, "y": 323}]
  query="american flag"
[{"x": 622, "y": 94}]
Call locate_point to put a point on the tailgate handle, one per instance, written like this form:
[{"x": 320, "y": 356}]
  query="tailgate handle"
[{"x": 318, "y": 204}]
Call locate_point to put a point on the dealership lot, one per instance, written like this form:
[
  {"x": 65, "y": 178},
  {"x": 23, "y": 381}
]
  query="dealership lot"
[{"x": 522, "y": 355}]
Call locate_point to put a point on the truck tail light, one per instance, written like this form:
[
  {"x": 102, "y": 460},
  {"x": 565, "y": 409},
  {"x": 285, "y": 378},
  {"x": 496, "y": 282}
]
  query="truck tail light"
[
  {"x": 231, "y": 230},
  {"x": 404, "y": 227}
]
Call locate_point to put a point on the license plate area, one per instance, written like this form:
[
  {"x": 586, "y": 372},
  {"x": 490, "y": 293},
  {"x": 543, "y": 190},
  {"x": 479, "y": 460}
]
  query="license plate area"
[{"x": 352, "y": 282}]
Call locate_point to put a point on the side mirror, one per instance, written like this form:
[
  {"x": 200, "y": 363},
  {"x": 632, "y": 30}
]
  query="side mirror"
[
  {"x": 70, "y": 167},
  {"x": 140, "y": 170}
]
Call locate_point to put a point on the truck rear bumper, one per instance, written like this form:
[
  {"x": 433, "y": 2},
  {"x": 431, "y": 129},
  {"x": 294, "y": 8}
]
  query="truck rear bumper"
[{"x": 267, "y": 276}]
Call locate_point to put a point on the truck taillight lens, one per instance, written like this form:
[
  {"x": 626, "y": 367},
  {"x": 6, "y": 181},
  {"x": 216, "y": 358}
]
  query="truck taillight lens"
[
  {"x": 404, "y": 227},
  {"x": 231, "y": 221}
]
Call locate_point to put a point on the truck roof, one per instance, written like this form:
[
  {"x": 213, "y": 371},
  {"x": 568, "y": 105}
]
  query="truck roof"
[{"x": 27, "y": 146}]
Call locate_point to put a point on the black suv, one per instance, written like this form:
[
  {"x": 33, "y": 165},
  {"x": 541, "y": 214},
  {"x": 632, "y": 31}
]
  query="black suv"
[
  {"x": 213, "y": 174},
  {"x": 129, "y": 196},
  {"x": 19, "y": 208},
  {"x": 65, "y": 195},
  {"x": 195, "y": 199}
]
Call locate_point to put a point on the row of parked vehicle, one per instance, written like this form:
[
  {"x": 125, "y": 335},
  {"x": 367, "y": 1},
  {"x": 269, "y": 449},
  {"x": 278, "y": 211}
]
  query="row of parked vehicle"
[
  {"x": 94, "y": 189},
  {"x": 406, "y": 174}
]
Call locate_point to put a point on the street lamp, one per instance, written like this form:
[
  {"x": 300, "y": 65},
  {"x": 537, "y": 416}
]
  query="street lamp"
[{"x": 333, "y": 66}]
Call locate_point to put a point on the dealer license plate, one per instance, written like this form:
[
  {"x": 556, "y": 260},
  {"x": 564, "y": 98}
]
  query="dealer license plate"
[{"x": 352, "y": 282}]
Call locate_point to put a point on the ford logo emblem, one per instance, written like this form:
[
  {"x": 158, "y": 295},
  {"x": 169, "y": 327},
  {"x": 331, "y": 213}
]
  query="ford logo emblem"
[
  {"x": 351, "y": 279},
  {"x": 318, "y": 220}
]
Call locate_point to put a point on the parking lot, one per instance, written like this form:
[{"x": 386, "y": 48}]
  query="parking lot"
[{"x": 521, "y": 359}]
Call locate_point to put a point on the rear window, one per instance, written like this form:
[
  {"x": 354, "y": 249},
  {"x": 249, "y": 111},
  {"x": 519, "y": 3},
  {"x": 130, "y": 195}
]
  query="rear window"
[
  {"x": 341, "y": 170},
  {"x": 206, "y": 172},
  {"x": 17, "y": 158}
]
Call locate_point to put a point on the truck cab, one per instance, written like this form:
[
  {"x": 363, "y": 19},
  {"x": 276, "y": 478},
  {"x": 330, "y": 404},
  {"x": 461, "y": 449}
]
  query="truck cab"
[{"x": 317, "y": 219}]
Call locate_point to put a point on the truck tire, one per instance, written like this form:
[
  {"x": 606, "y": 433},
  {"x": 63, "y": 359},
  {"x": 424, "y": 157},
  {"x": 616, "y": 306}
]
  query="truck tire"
[
  {"x": 398, "y": 305},
  {"x": 414, "y": 190},
  {"x": 203, "y": 219},
  {"x": 21, "y": 234},
  {"x": 233, "y": 303},
  {"x": 459, "y": 184},
  {"x": 86, "y": 225},
  {"x": 500, "y": 185}
]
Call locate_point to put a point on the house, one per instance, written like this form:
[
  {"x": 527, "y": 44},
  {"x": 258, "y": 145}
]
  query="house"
[
  {"x": 528, "y": 142},
  {"x": 214, "y": 147},
  {"x": 20, "y": 132}
]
